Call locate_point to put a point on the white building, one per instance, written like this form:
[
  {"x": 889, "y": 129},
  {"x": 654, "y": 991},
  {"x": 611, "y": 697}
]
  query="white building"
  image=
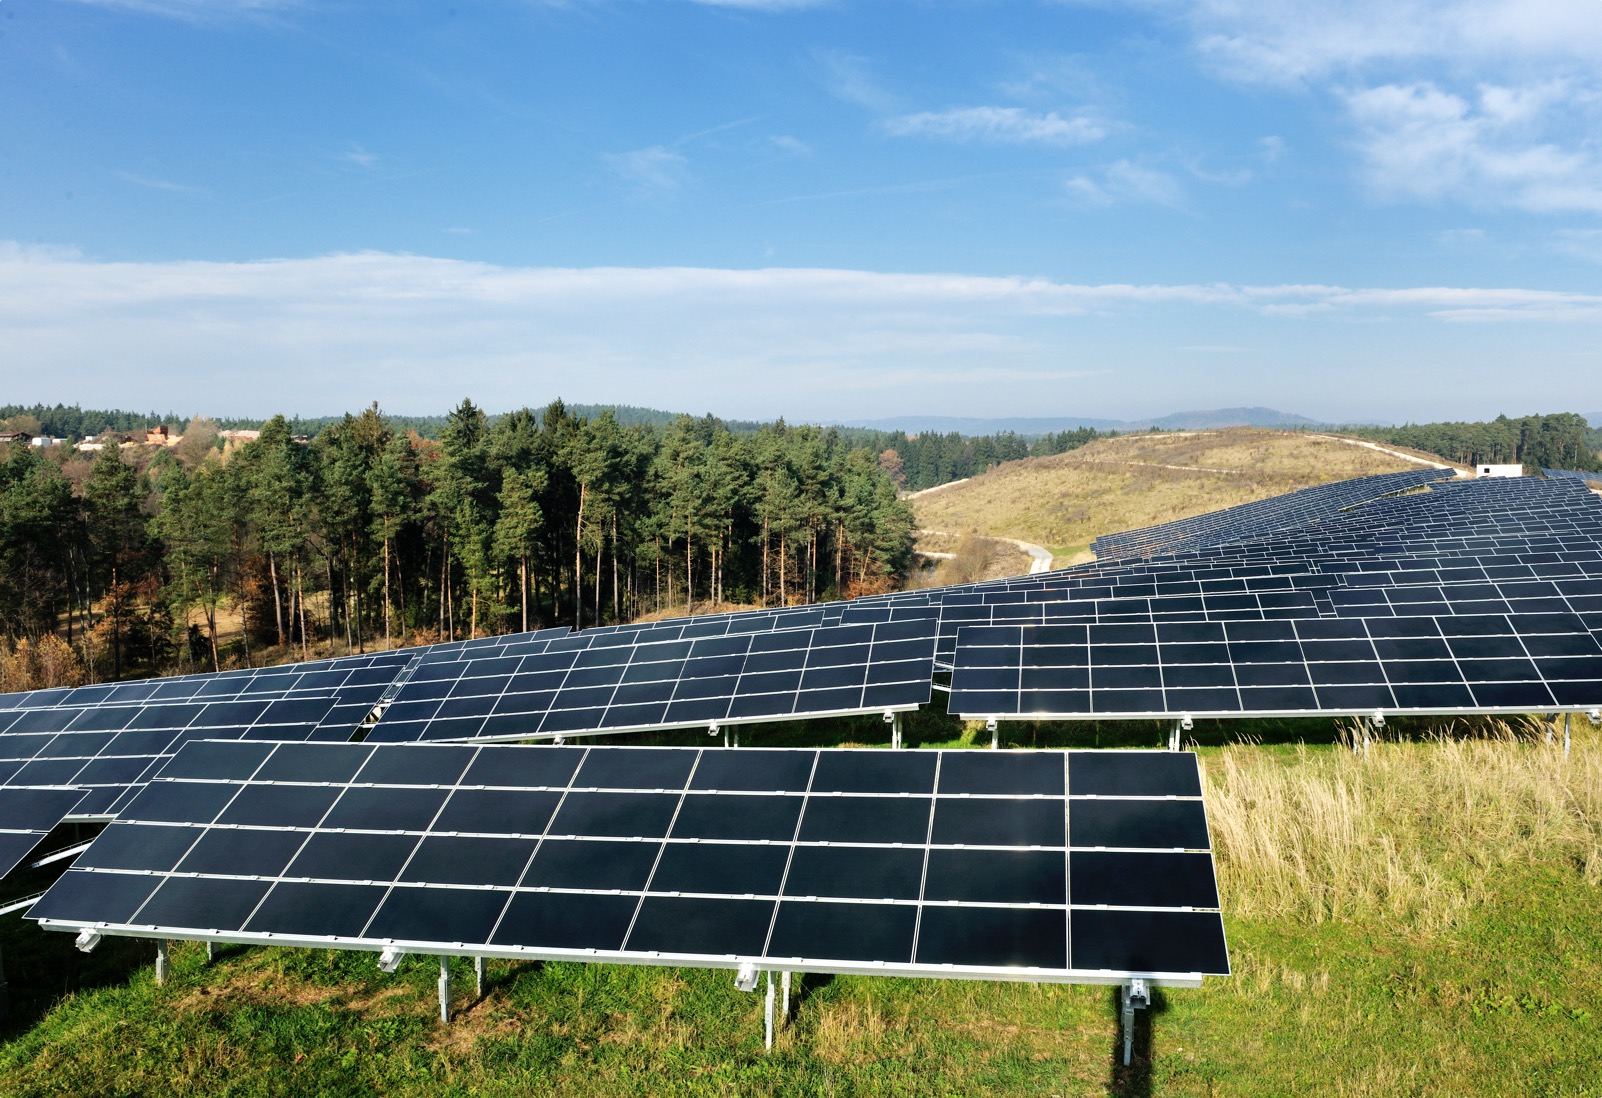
[{"x": 1499, "y": 470}]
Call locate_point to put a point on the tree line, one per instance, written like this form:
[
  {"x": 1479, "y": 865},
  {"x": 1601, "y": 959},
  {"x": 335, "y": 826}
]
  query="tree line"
[
  {"x": 1559, "y": 441},
  {"x": 139, "y": 558}
]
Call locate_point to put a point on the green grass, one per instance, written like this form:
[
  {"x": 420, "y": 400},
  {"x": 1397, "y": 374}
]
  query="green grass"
[{"x": 1455, "y": 949}]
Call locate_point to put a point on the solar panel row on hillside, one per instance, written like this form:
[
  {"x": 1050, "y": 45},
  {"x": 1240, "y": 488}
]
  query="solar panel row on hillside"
[{"x": 1036, "y": 865}]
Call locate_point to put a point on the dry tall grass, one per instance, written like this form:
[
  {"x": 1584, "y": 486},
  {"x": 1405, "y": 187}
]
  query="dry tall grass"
[
  {"x": 1408, "y": 831},
  {"x": 1062, "y": 502}
]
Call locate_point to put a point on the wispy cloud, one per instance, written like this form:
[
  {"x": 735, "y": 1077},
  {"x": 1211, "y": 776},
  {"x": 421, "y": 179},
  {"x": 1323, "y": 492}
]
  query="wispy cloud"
[
  {"x": 789, "y": 146},
  {"x": 763, "y": 5},
  {"x": 851, "y": 78},
  {"x": 151, "y": 183},
  {"x": 1127, "y": 183},
  {"x": 657, "y": 170},
  {"x": 357, "y": 155},
  {"x": 197, "y": 10},
  {"x": 998, "y": 125}
]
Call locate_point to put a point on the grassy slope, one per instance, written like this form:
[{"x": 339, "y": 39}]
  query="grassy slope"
[{"x": 1064, "y": 501}]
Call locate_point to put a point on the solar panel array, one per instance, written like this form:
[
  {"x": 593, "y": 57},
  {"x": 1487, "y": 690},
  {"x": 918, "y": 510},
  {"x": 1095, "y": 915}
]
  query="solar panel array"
[
  {"x": 620, "y": 682},
  {"x": 1041, "y": 865},
  {"x": 1298, "y": 605}
]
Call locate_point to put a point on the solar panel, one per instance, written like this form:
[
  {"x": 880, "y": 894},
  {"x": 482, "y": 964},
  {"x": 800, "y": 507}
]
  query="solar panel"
[
  {"x": 1040, "y": 865},
  {"x": 1481, "y": 664},
  {"x": 575, "y": 686},
  {"x": 106, "y": 751}
]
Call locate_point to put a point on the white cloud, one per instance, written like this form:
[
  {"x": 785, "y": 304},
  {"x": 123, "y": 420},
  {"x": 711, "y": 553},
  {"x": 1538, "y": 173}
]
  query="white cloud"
[
  {"x": 417, "y": 333},
  {"x": 656, "y": 170},
  {"x": 1419, "y": 142},
  {"x": 1291, "y": 41},
  {"x": 999, "y": 125}
]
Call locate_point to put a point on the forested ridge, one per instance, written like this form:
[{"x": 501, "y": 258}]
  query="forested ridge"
[
  {"x": 134, "y": 558},
  {"x": 1560, "y": 441},
  {"x": 919, "y": 461}
]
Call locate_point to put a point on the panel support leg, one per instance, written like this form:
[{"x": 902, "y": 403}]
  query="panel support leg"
[
  {"x": 1136, "y": 997},
  {"x": 211, "y": 952},
  {"x": 895, "y": 730},
  {"x": 995, "y": 733},
  {"x": 767, "y": 1014},
  {"x": 445, "y": 989},
  {"x": 785, "y": 981},
  {"x": 163, "y": 961},
  {"x": 5, "y": 993},
  {"x": 1567, "y": 718},
  {"x": 478, "y": 977}
]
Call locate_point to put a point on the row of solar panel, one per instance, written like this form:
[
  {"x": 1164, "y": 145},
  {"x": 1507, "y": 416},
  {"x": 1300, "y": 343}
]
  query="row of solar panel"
[
  {"x": 830, "y": 858},
  {"x": 1484, "y": 663}
]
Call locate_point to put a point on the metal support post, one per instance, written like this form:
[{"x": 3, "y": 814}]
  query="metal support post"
[
  {"x": 211, "y": 952},
  {"x": 163, "y": 961},
  {"x": 895, "y": 730},
  {"x": 1567, "y": 718},
  {"x": 1183, "y": 724},
  {"x": 767, "y": 1014},
  {"x": 1551, "y": 729},
  {"x": 478, "y": 977},
  {"x": 1136, "y": 997},
  {"x": 785, "y": 980},
  {"x": 995, "y": 733},
  {"x": 445, "y": 989},
  {"x": 735, "y": 736},
  {"x": 5, "y": 993}
]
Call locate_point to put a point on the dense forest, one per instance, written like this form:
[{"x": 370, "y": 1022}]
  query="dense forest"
[
  {"x": 1560, "y": 441},
  {"x": 920, "y": 461},
  {"x": 138, "y": 557}
]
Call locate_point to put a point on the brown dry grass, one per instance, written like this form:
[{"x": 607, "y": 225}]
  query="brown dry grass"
[
  {"x": 1338, "y": 834},
  {"x": 1065, "y": 501}
]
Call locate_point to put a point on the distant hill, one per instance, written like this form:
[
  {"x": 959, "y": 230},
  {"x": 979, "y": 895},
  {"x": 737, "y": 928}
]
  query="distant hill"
[{"x": 1177, "y": 421}]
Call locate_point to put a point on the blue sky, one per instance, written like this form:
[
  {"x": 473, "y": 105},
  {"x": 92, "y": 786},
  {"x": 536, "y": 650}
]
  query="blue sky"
[{"x": 831, "y": 210}]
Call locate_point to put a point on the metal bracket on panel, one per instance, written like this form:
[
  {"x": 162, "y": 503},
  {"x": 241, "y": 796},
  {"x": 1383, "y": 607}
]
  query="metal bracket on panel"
[
  {"x": 1137, "y": 996},
  {"x": 60, "y": 855},
  {"x": 995, "y": 733},
  {"x": 87, "y": 940},
  {"x": 389, "y": 960},
  {"x": 745, "y": 978},
  {"x": 1594, "y": 716},
  {"x": 1183, "y": 724}
]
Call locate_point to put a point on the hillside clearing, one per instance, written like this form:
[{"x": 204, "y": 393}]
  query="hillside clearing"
[{"x": 1065, "y": 501}]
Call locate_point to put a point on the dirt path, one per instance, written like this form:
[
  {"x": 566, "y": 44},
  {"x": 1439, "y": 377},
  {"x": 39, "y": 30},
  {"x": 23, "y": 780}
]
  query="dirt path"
[
  {"x": 1040, "y": 556},
  {"x": 1393, "y": 453}
]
